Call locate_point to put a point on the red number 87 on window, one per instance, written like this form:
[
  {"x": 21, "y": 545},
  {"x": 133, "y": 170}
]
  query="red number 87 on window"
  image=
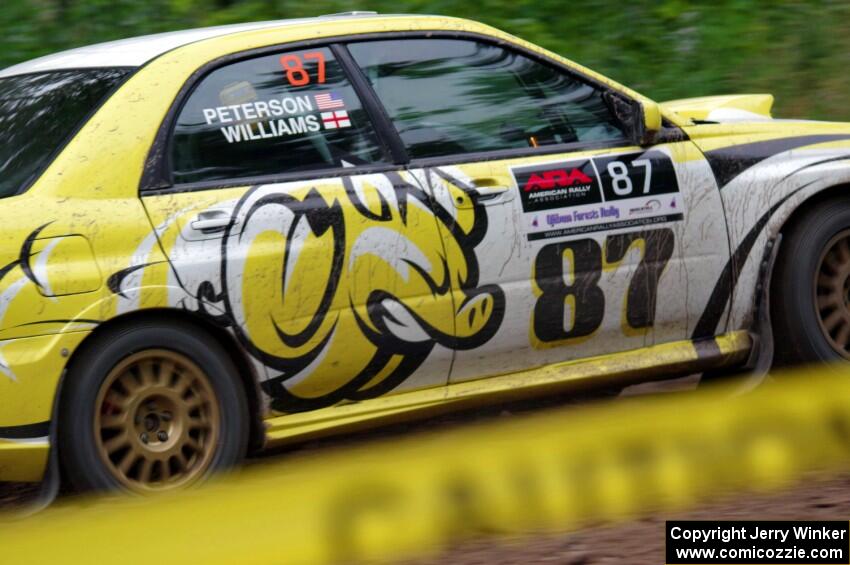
[{"x": 296, "y": 74}]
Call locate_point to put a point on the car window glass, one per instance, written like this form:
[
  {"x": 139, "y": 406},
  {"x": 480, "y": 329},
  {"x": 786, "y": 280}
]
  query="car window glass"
[
  {"x": 39, "y": 112},
  {"x": 269, "y": 115},
  {"x": 449, "y": 96}
]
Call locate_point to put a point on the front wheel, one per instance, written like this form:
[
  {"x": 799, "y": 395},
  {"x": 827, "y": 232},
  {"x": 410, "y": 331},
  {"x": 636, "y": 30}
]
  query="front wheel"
[
  {"x": 810, "y": 294},
  {"x": 151, "y": 408}
]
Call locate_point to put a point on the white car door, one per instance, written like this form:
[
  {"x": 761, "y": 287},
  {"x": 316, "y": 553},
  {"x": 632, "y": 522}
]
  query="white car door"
[{"x": 588, "y": 243}]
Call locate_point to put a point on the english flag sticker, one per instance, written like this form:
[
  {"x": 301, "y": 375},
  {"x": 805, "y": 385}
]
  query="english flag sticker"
[{"x": 336, "y": 120}]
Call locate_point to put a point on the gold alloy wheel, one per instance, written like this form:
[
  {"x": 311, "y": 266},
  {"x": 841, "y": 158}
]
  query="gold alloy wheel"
[
  {"x": 157, "y": 421},
  {"x": 832, "y": 292}
]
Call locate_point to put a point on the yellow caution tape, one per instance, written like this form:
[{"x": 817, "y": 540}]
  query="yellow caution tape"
[{"x": 391, "y": 499}]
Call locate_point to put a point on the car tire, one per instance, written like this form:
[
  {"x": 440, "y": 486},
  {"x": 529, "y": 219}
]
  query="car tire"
[
  {"x": 165, "y": 396},
  {"x": 810, "y": 287}
]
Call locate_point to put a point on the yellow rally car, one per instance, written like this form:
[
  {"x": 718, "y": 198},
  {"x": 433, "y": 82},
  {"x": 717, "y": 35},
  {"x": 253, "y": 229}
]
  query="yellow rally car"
[{"x": 226, "y": 238}]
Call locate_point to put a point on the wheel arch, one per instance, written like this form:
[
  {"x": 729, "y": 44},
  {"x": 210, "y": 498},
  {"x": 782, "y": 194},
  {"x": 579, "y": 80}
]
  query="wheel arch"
[
  {"x": 247, "y": 375},
  {"x": 802, "y": 225},
  {"x": 790, "y": 203},
  {"x": 788, "y": 216}
]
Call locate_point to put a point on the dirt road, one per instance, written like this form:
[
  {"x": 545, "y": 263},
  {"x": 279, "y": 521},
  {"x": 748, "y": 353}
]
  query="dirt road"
[{"x": 641, "y": 542}]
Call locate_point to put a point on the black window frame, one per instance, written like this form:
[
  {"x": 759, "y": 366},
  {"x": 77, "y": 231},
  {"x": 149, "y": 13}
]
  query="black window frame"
[{"x": 157, "y": 177}]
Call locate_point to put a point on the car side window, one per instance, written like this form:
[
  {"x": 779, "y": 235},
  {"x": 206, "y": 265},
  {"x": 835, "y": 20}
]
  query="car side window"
[
  {"x": 453, "y": 96},
  {"x": 270, "y": 115}
]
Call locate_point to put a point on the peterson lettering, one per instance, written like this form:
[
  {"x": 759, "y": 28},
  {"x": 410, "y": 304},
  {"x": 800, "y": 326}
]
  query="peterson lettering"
[
  {"x": 288, "y": 106},
  {"x": 259, "y": 120}
]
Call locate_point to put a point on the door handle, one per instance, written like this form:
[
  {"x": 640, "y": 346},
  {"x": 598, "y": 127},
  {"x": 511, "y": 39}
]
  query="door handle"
[
  {"x": 489, "y": 194},
  {"x": 211, "y": 221},
  {"x": 484, "y": 193}
]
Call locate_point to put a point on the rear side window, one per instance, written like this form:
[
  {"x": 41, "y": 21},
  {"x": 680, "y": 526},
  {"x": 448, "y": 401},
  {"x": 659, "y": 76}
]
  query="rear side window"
[
  {"x": 274, "y": 114},
  {"x": 38, "y": 115},
  {"x": 449, "y": 97}
]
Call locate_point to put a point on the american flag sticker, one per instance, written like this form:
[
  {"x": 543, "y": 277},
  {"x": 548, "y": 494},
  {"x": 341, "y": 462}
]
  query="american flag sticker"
[
  {"x": 336, "y": 120},
  {"x": 329, "y": 101}
]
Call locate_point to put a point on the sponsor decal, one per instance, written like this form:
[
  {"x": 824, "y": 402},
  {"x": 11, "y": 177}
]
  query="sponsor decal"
[
  {"x": 549, "y": 180},
  {"x": 546, "y": 187},
  {"x": 607, "y": 212},
  {"x": 597, "y": 193},
  {"x": 596, "y": 227},
  {"x": 649, "y": 207}
]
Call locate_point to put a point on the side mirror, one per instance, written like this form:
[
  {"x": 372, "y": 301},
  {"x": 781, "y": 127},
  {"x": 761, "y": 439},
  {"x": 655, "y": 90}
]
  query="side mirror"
[
  {"x": 641, "y": 120},
  {"x": 646, "y": 122}
]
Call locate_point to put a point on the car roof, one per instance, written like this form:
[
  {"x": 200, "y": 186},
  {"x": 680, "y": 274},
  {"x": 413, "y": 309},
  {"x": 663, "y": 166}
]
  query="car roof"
[{"x": 137, "y": 51}]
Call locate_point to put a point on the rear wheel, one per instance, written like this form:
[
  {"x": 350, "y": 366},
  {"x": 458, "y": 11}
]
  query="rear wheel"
[
  {"x": 810, "y": 294},
  {"x": 151, "y": 408}
]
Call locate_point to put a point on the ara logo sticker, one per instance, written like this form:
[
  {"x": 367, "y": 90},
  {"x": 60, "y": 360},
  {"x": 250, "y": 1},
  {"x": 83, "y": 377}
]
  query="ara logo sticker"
[
  {"x": 548, "y": 180},
  {"x": 558, "y": 185}
]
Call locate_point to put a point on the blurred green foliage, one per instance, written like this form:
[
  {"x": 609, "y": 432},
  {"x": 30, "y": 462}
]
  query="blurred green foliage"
[{"x": 797, "y": 49}]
